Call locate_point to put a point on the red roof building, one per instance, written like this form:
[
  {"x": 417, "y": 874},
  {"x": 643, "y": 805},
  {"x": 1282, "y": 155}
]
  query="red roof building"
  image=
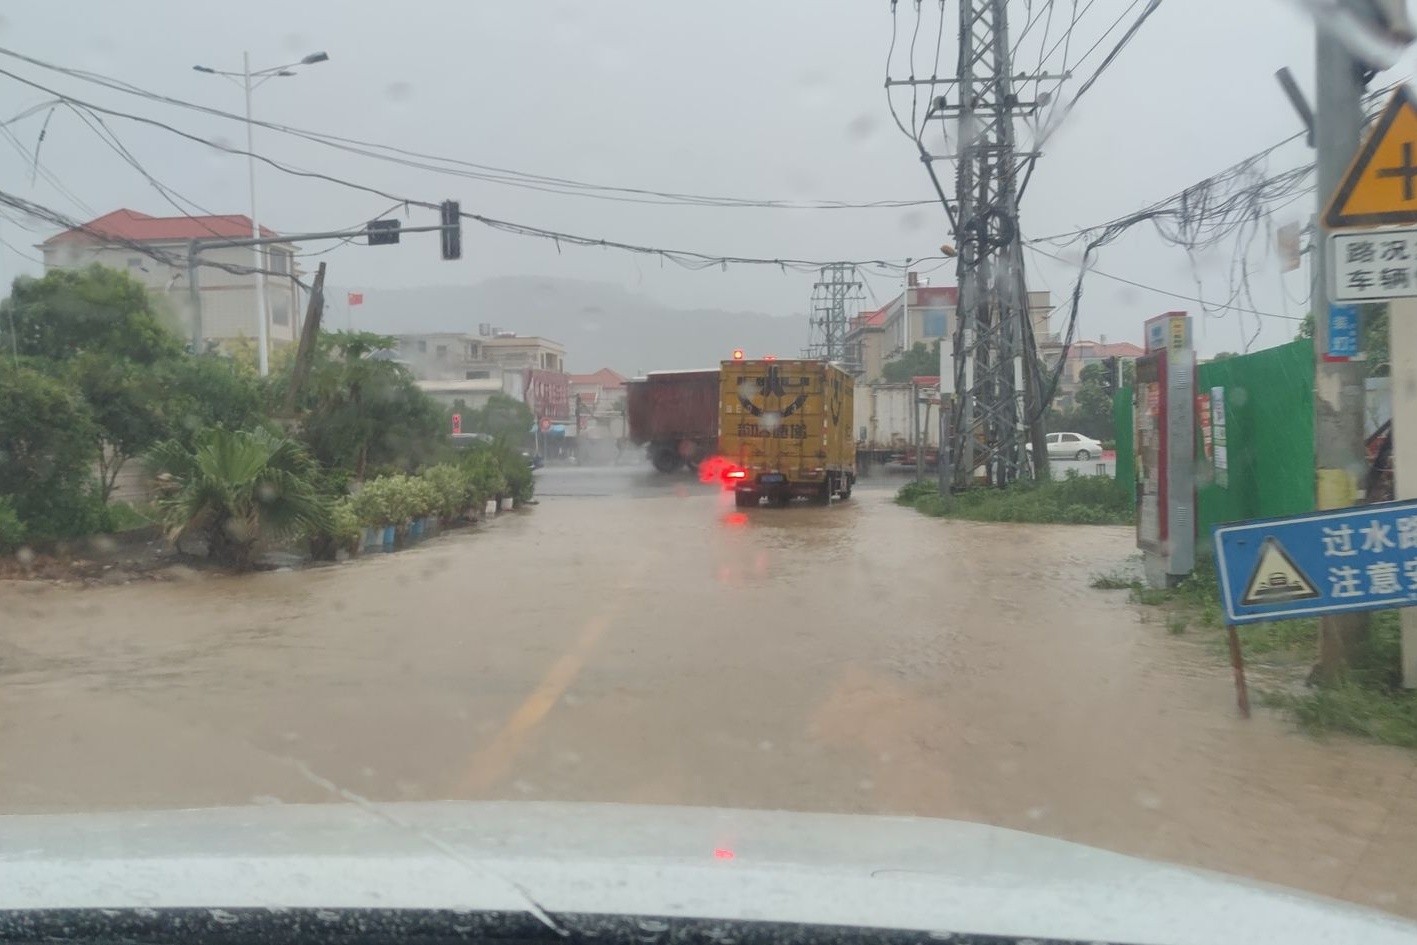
[
  {"x": 153, "y": 251},
  {"x": 131, "y": 226}
]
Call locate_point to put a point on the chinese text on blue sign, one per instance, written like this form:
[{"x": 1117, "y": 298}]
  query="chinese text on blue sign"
[
  {"x": 1342, "y": 332},
  {"x": 1328, "y": 562},
  {"x": 1373, "y": 265}
]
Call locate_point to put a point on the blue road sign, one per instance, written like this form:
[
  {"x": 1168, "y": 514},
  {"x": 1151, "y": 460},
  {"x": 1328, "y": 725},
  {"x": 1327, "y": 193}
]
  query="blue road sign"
[
  {"x": 1363, "y": 558},
  {"x": 1342, "y": 332}
]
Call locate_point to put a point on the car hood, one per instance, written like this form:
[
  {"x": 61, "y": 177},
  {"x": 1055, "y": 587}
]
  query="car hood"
[{"x": 884, "y": 872}]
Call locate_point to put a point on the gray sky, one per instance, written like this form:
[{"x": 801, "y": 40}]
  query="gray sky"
[{"x": 739, "y": 97}]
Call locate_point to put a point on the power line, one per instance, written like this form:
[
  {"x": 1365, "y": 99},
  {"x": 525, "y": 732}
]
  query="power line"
[
  {"x": 475, "y": 171},
  {"x": 1160, "y": 291}
]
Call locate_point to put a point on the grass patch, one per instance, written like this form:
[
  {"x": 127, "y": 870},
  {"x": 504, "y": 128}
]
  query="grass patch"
[
  {"x": 1114, "y": 581},
  {"x": 122, "y": 516},
  {"x": 1381, "y": 714},
  {"x": 1074, "y": 500},
  {"x": 1369, "y": 702}
]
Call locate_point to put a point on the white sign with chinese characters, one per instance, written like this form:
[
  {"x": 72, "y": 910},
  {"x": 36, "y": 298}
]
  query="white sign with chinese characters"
[{"x": 1373, "y": 265}]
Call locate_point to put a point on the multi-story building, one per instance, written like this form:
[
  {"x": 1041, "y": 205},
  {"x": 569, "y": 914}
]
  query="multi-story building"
[
  {"x": 875, "y": 338},
  {"x": 524, "y": 351},
  {"x": 153, "y": 250},
  {"x": 444, "y": 356},
  {"x": 1080, "y": 355}
]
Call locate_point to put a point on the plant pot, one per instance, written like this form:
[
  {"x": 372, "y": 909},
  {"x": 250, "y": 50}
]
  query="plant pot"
[
  {"x": 415, "y": 529},
  {"x": 371, "y": 538},
  {"x": 430, "y": 526},
  {"x": 388, "y": 538}
]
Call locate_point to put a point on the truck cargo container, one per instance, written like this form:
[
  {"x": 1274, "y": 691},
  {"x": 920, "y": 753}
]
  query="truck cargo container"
[
  {"x": 674, "y": 415},
  {"x": 785, "y": 430},
  {"x": 883, "y": 420}
]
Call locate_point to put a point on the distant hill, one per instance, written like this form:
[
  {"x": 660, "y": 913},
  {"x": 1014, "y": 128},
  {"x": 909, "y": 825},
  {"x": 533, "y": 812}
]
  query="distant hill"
[{"x": 601, "y": 325}]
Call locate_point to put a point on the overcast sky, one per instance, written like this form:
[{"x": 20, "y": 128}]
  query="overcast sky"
[{"x": 744, "y": 98}]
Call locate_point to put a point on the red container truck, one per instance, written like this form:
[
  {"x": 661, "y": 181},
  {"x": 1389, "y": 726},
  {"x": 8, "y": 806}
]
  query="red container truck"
[{"x": 674, "y": 414}]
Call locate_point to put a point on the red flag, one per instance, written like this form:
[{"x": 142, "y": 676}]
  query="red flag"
[{"x": 356, "y": 298}]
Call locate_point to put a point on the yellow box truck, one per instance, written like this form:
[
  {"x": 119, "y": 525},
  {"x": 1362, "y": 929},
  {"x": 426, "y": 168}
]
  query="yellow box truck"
[{"x": 784, "y": 430}]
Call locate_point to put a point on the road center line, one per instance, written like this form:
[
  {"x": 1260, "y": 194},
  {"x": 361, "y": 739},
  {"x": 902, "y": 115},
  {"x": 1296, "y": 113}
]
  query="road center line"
[{"x": 492, "y": 763}]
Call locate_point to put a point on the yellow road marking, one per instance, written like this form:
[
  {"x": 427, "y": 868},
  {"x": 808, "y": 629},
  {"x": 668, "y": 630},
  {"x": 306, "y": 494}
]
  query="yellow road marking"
[{"x": 493, "y": 762}]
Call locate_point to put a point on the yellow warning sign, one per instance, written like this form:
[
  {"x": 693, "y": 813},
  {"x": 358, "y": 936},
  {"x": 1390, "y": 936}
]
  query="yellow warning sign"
[
  {"x": 1276, "y": 578},
  {"x": 1380, "y": 186}
]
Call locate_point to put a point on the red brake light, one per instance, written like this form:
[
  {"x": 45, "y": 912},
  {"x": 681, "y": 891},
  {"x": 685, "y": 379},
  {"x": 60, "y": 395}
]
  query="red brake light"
[{"x": 736, "y": 474}]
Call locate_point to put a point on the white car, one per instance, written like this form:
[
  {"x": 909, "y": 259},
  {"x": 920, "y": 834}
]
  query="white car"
[{"x": 1072, "y": 446}]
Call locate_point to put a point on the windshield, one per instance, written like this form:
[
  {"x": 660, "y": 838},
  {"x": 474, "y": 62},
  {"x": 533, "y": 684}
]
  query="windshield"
[{"x": 832, "y": 409}]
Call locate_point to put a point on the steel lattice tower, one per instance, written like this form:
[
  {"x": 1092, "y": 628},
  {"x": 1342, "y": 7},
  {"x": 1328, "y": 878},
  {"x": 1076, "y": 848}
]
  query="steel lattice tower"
[
  {"x": 836, "y": 298},
  {"x": 996, "y": 375},
  {"x": 997, "y": 384}
]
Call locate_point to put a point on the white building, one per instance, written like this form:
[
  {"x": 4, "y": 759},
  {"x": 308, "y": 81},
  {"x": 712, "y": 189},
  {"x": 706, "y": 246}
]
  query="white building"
[{"x": 227, "y": 299}]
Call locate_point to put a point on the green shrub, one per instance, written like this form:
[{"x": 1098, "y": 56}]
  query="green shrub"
[
  {"x": 423, "y": 499},
  {"x": 12, "y": 530},
  {"x": 47, "y": 453},
  {"x": 452, "y": 487}
]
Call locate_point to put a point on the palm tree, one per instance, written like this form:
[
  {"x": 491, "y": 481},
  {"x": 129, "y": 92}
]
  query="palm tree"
[{"x": 235, "y": 487}]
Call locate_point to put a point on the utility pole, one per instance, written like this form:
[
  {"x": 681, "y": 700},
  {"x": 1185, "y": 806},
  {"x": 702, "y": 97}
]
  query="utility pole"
[
  {"x": 262, "y": 342},
  {"x": 195, "y": 298},
  {"x": 997, "y": 406},
  {"x": 1340, "y": 454}
]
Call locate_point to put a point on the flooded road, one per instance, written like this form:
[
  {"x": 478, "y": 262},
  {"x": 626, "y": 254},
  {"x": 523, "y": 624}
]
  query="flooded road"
[{"x": 637, "y": 639}]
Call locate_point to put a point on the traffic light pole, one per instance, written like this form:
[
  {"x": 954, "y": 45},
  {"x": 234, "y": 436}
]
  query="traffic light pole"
[{"x": 451, "y": 230}]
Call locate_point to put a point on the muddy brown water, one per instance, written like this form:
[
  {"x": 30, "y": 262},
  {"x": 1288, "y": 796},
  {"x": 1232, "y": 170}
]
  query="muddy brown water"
[{"x": 654, "y": 645}]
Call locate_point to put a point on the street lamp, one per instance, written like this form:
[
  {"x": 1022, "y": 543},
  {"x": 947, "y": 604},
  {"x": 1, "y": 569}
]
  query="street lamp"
[{"x": 250, "y": 80}]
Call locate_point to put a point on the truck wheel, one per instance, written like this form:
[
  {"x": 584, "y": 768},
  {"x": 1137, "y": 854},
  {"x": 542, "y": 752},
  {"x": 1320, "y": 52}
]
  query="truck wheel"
[
  {"x": 824, "y": 495},
  {"x": 745, "y": 500},
  {"x": 666, "y": 461}
]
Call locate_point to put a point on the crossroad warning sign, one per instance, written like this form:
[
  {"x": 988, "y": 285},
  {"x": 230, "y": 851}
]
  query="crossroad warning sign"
[
  {"x": 1380, "y": 186},
  {"x": 1277, "y": 578}
]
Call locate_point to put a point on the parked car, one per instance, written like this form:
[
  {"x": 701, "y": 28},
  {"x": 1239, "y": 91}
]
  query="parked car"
[{"x": 1071, "y": 446}]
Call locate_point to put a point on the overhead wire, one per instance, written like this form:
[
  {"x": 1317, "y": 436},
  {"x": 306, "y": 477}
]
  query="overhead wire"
[{"x": 469, "y": 169}]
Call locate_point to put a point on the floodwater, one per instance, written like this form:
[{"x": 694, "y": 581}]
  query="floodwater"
[{"x": 637, "y": 639}]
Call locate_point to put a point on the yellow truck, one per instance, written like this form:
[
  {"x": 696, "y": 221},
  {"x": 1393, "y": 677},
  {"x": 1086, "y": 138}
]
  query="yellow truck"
[{"x": 784, "y": 430}]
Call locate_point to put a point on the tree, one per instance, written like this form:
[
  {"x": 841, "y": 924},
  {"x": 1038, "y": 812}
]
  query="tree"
[
  {"x": 360, "y": 411},
  {"x": 234, "y": 488},
  {"x": 917, "y": 362},
  {"x": 206, "y": 391},
  {"x": 125, "y": 402},
  {"x": 69, "y": 312},
  {"x": 46, "y": 454},
  {"x": 503, "y": 416},
  {"x": 98, "y": 331}
]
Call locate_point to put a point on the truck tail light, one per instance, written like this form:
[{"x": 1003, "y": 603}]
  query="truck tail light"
[{"x": 736, "y": 474}]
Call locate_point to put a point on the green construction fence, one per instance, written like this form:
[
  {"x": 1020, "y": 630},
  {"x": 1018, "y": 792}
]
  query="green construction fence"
[{"x": 1269, "y": 437}]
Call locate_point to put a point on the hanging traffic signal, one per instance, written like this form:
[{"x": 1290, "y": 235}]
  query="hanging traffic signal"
[{"x": 452, "y": 229}]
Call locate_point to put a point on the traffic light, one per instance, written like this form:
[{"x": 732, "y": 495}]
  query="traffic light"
[
  {"x": 1110, "y": 379},
  {"x": 452, "y": 229}
]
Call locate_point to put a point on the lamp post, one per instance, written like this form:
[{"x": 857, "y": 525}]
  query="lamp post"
[{"x": 249, "y": 81}]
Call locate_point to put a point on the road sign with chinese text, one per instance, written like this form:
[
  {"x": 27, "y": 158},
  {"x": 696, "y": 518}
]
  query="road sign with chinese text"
[
  {"x": 1373, "y": 265},
  {"x": 1342, "y": 333},
  {"x": 1380, "y": 186},
  {"x": 1335, "y": 561}
]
